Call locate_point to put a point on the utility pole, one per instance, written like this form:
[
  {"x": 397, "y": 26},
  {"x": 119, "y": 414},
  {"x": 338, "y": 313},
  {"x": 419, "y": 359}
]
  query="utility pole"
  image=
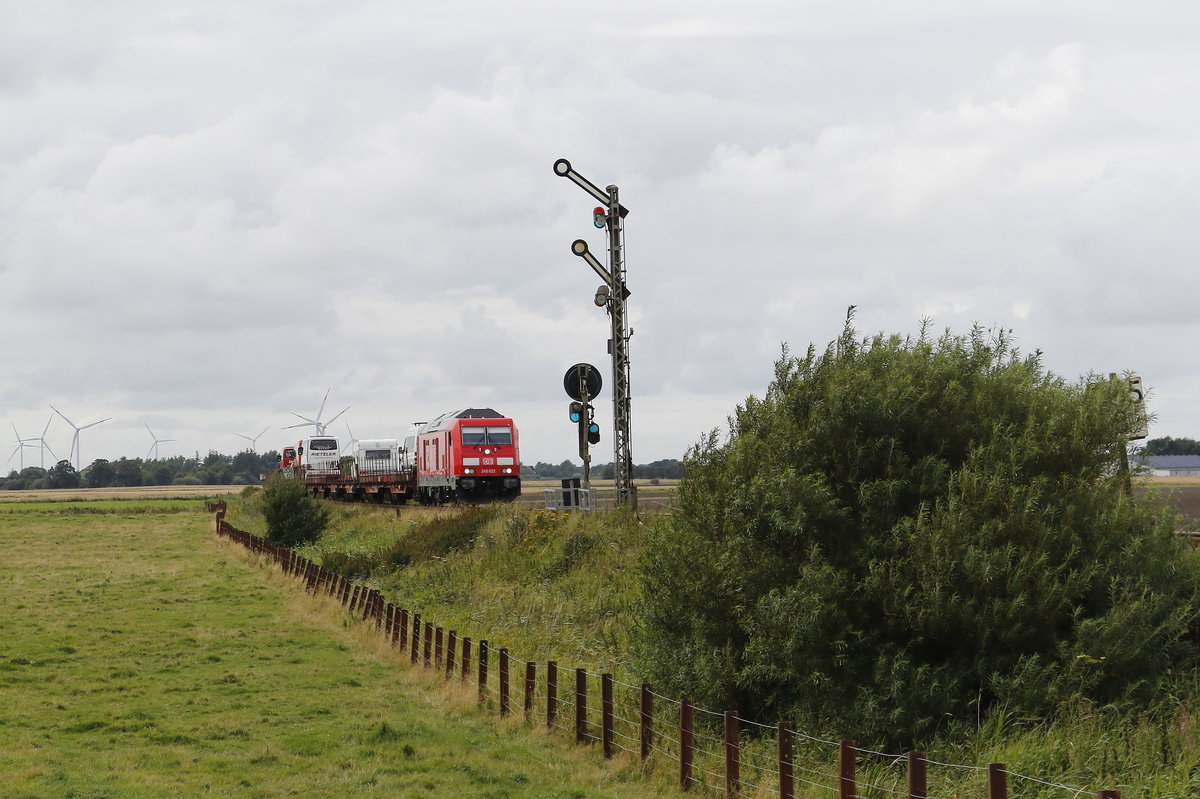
[{"x": 611, "y": 296}]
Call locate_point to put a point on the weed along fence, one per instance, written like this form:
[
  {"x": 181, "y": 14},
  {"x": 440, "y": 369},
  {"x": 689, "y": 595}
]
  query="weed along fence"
[{"x": 716, "y": 751}]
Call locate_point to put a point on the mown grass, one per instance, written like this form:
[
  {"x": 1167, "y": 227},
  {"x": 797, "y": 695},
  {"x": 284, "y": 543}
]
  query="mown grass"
[
  {"x": 549, "y": 586},
  {"x": 142, "y": 658}
]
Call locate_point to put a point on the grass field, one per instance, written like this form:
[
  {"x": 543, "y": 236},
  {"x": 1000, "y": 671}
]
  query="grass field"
[{"x": 142, "y": 658}]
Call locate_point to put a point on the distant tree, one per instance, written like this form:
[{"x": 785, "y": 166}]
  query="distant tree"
[
  {"x": 904, "y": 534},
  {"x": 63, "y": 475},
  {"x": 101, "y": 474},
  {"x": 129, "y": 472},
  {"x": 214, "y": 458},
  {"x": 31, "y": 477},
  {"x": 1172, "y": 446},
  {"x": 246, "y": 467},
  {"x": 669, "y": 468}
]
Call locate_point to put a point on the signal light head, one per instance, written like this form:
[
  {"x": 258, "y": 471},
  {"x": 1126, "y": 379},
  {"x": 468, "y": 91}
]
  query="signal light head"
[
  {"x": 575, "y": 411},
  {"x": 599, "y": 216},
  {"x": 601, "y": 296}
]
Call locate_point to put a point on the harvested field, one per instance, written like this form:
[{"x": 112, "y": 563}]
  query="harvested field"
[{"x": 120, "y": 492}]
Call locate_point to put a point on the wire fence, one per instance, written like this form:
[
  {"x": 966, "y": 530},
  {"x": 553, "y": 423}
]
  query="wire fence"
[{"x": 713, "y": 751}]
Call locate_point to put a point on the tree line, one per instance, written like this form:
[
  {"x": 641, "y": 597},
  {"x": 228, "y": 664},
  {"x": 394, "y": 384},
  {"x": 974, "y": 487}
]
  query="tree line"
[
  {"x": 1172, "y": 446},
  {"x": 244, "y": 468},
  {"x": 666, "y": 469}
]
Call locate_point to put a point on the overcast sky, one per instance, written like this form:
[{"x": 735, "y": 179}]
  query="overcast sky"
[{"x": 211, "y": 213}]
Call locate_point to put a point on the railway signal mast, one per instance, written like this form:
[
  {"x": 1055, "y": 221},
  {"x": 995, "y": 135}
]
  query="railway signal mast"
[{"x": 611, "y": 296}]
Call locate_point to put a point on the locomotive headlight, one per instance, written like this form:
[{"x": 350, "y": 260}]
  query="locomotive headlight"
[
  {"x": 508, "y": 471},
  {"x": 468, "y": 471},
  {"x": 487, "y": 452}
]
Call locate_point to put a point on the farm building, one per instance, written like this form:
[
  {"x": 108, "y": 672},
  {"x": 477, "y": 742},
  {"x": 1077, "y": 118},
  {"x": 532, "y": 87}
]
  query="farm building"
[{"x": 1173, "y": 465}]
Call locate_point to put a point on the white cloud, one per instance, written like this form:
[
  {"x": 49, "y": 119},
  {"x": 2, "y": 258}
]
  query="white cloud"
[{"x": 210, "y": 215}]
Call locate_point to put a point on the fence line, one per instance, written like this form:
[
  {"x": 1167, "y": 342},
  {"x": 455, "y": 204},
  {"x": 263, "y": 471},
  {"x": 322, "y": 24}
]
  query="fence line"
[{"x": 622, "y": 716}]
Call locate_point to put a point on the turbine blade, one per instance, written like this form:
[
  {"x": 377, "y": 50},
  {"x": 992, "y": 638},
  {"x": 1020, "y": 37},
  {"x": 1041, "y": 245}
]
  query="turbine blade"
[
  {"x": 323, "y": 399},
  {"x": 64, "y": 416},
  {"x": 339, "y": 413}
]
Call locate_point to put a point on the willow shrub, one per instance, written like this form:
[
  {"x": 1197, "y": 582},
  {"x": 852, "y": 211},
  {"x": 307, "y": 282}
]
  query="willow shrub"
[
  {"x": 292, "y": 517},
  {"x": 903, "y": 534}
]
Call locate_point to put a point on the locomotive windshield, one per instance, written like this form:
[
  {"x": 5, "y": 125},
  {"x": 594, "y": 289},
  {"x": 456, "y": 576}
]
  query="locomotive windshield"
[
  {"x": 479, "y": 436},
  {"x": 499, "y": 435}
]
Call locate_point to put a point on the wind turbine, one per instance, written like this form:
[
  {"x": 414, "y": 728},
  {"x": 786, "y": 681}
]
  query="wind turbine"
[
  {"x": 42, "y": 442},
  {"x": 22, "y": 443},
  {"x": 350, "y": 444},
  {"x": 75, "y": 438},
  {"x": 254, "y": 441},
  {"x": 318, "y": 425},
  {"x": 157, "y": 441}
]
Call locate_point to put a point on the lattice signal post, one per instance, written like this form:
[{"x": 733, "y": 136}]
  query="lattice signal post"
[{"x": 611, "y": 296}]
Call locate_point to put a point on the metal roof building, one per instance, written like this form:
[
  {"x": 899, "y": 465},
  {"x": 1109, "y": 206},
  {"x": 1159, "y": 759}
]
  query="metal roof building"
[{"x": 1173, "y": 465}]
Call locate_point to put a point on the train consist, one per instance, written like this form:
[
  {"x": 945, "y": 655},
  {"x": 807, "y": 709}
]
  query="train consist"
[{"x": 464, "y": 456}]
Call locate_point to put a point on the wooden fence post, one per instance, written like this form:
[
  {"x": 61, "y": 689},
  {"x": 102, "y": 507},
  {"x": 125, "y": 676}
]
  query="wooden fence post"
[
  {"x": 997, "y": 781},
  {"x": 606, "y": 714},
  {"x": 733, "y": 760},
  {"x": 551, "y": 693},
  {"x": 846, "y": 776},
  {"x": 415, "y": 646},
  {"x": 1108, "y": 795},
  {"x": 917, "y": 779},
  {"x": 580, "y": 705},
  {"x": 428, "y": 643},
  {"x": 503, "y": 681},
  {"x": 787, "y": 761},
  {"x": 451, "y": 645},
  {"x": 530, "y": 685},
  {"x": 402, "y": 629},
  {"x": 686, "y": 731},
  {"x": 466, "y": 660},
  {"x": 437, "y": 648},
  {"x": 646, "y": 720},
  {"x": 483, "y": 670}
]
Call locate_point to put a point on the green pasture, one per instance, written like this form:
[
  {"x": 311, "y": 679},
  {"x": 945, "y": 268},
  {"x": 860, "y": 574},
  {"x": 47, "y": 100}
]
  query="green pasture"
[{"x": 142, "y": 657}]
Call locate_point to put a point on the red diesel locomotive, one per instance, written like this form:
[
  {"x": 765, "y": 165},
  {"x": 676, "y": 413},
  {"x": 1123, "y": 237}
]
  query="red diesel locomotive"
[{"x": 469, "y": 455}]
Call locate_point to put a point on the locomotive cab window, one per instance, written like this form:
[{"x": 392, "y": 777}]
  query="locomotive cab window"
[
  {"x": 499, "y": 435},
  {"x": 474, "y": 436}
]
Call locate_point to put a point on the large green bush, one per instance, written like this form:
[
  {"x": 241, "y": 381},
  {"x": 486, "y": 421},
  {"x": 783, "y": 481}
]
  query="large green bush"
[
  {"x": 907, "y": 533},
  {"x": 293, "y": 518}
]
